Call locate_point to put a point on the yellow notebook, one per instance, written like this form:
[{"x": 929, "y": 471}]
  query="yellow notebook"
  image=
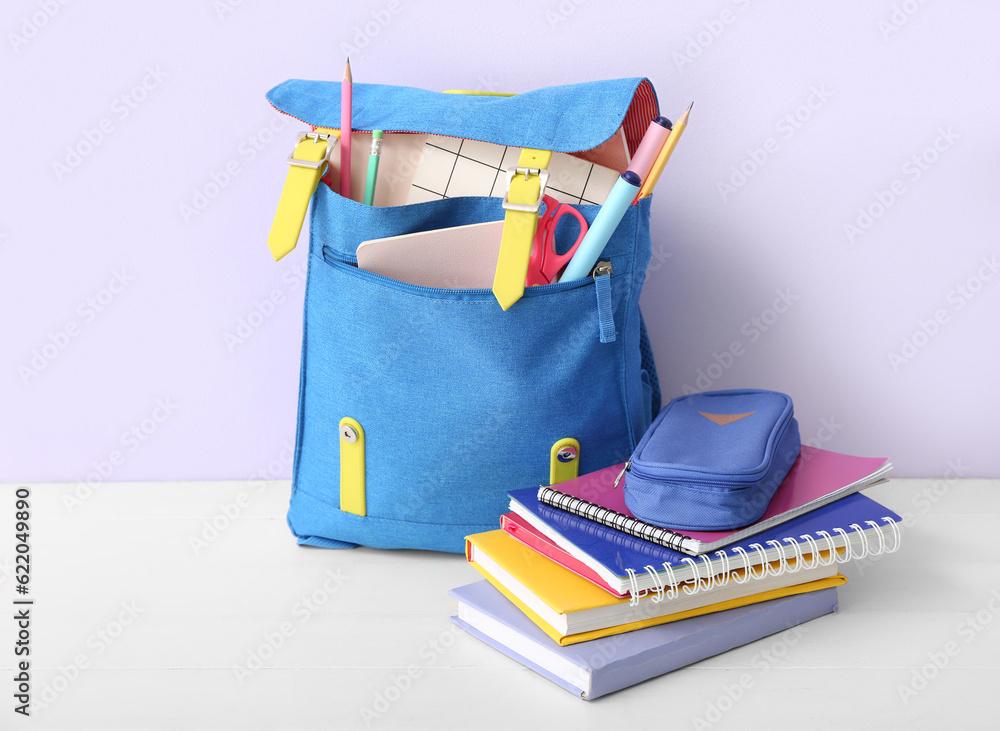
[{"x": 570, "y": 609}]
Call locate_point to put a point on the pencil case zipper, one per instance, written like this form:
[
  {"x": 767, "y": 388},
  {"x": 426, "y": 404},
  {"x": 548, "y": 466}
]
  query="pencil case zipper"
[{"x": 670, "y": 473}]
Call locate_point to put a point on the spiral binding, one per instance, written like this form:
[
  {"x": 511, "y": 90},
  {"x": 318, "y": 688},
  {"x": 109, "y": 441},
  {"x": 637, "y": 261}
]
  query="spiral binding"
[
  {"x": 670, "y": 588},
  {"x": 611, "y": 518}
]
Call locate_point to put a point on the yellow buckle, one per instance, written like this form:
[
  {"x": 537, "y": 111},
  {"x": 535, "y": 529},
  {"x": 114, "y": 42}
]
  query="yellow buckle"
[
  {"x": 543, "y": 179},
  {"x": 521, "y": 203},
  {"x": 316, "y": 137},
  {"x": 306, "y": 166}
]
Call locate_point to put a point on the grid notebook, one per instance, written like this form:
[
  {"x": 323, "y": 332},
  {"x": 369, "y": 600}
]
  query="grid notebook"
[{"x": 451, "y": 167}]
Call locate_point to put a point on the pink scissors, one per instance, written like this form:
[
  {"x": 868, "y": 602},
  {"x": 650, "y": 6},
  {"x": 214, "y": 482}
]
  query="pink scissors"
[{"x": 544, "y": 264}]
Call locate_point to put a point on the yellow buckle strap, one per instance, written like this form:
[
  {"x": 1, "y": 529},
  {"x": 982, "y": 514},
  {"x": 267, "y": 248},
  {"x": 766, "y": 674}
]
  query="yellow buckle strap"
[
  {"x": 525, "y": 189},
  {"x": 564, "y": 461},
  {"x": 352, "y": 467},
  {"x": 306, "y": 166}
]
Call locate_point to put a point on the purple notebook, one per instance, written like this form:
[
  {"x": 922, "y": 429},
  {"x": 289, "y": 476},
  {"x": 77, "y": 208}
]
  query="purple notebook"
[
  {"x": 629, "y": 564},
  {"x": 592, "y": 669}
]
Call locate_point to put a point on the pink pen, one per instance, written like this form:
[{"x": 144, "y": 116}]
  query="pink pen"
[
  {"x": 649, "y": 148},
  {"x": 345, "y": 132}
]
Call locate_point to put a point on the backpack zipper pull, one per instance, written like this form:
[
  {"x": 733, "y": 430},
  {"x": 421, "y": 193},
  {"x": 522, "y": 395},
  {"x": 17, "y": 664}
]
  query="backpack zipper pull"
[
  {"x": 621, "y": 474},
  {"x": 605, "y": 315}
]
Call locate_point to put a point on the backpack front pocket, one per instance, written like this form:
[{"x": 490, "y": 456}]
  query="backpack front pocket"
[{"x": 445, "y": 383}]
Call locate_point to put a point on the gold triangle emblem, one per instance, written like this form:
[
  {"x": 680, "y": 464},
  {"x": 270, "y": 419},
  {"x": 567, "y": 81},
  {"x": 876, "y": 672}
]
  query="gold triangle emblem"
[{"x": 723, "y": 419}]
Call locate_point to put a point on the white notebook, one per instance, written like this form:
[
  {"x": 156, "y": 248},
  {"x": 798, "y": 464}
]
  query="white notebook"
[{"x": 458, "y": 257}]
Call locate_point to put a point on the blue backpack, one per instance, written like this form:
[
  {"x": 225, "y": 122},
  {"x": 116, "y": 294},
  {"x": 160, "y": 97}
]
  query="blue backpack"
[{"x": 419, "y": 408}]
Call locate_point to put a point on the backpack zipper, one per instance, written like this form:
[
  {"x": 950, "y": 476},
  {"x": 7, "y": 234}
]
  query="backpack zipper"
[{"x": 605, "y": 311}]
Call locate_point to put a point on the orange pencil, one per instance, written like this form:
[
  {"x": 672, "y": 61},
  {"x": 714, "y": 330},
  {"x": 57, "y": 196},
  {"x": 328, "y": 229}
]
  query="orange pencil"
[{"x": 665, "y": 152}]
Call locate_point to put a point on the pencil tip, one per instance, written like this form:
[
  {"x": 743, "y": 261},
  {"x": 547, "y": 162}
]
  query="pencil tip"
[
  {"x": 347, "y": 70},
  {"x": 685, "y": 114},
  {"x": 691, "y": 106}
]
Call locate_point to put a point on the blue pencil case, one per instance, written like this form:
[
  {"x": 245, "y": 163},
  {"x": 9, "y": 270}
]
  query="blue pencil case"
[{"x": 711, "y": 461}]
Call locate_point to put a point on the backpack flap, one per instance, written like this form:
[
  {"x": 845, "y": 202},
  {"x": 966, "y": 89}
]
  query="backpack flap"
[{"x": 569, "y": 118}]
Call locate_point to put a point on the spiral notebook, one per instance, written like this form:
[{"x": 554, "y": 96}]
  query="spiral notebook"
[
  {"x": 817, "y": 478},
  {"x": 570, "y": 609},
  {"x": 850, "y": 528}
]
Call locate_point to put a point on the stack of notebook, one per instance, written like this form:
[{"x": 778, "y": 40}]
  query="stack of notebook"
[{"x": 585, "y": 594}]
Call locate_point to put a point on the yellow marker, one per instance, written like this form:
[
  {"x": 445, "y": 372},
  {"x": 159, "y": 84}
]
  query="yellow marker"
[
  {"x": 306, "y": 166},
  {"x": 564, "y": 460},
  {"x": 665, "y": 152},
  {"x": 352, "y": 467},
  {"x": 525, "y": 189}
]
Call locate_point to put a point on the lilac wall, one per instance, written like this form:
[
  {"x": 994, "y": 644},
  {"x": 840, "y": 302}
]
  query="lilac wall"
[{"x": 122, "y": 356}]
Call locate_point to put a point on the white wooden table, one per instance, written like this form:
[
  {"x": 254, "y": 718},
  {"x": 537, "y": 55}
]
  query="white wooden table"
[{"x": 189, "y": 606}]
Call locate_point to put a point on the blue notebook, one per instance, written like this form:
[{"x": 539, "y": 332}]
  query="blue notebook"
[
  {"x": 855, "y": 526},
  {"x": 592, "y": 669}
]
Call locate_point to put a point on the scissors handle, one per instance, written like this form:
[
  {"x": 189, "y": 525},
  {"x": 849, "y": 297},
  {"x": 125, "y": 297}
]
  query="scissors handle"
[
  {"x": 544, "y": 264},
  {"x": 554, "y": 263}
]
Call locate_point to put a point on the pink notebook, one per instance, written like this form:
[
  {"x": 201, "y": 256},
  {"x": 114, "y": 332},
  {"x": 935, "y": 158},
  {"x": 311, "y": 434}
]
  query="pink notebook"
[
  {"x": 817, "y": 478},
  {"x": 524, "y": 532}
]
